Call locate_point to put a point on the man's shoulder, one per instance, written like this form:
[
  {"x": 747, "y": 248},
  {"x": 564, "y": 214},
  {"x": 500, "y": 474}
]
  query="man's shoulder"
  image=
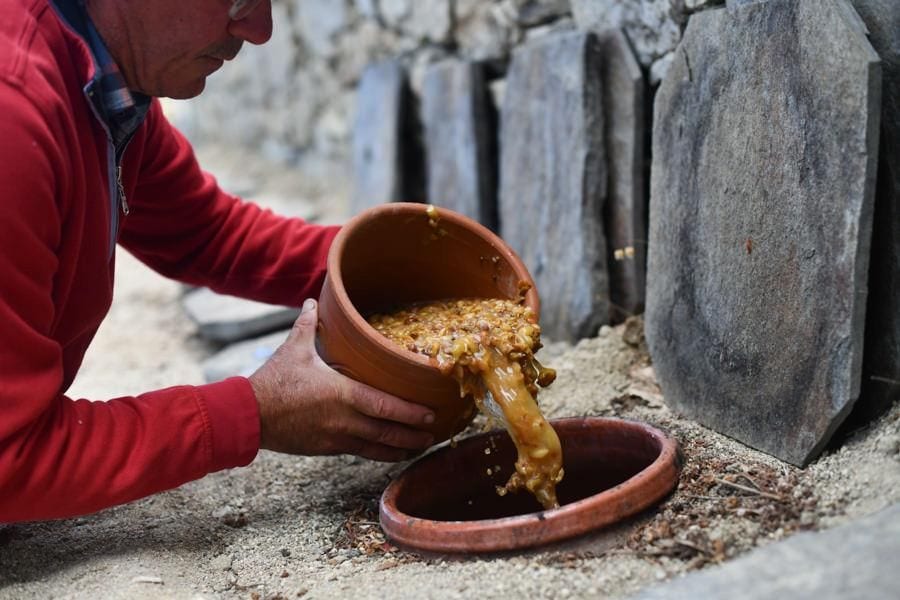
[
  {"x": 18, "y": 36},
  {"x": 41, "y": 64},
  {"x": 34, "y": 43}
]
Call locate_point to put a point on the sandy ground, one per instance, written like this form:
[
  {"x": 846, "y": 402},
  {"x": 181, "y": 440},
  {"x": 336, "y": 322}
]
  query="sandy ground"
[{"x": 289, "y": 527}]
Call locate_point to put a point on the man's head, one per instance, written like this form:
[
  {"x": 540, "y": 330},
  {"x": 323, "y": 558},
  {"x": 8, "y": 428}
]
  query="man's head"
[{"x": 169, "y": 47}]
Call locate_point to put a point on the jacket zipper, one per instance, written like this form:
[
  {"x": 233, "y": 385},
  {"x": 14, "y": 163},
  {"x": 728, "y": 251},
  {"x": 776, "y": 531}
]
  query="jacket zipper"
[
  {"x": 114, "y": 168},
  {"x": 122, "y": 198},
  {"x": 114, "y": 177}
]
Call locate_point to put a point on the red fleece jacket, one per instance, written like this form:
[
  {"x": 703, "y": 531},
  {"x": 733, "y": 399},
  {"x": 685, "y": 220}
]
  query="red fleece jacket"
[{"x": 59, "y": 456}]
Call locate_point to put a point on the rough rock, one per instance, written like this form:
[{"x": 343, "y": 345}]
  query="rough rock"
[
  {"x": 858, "y": 560},
  {"x": 649, "y": 23},
  {"x": 242, "y": 358},
  {"x": 553, "y": 179},
  {"x": 431, "y": 20},
  {"x": 480, "y": 31},
  {"x": 367, "y": 8},
  {"x": 319, "y": 21},
  {"x": 533, "y": 13},
  {"x": 460, "y": 140},
  {"x": 762, "y": 193}
]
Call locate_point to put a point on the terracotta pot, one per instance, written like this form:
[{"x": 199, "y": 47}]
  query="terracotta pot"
[
  {"x": 446, "y": 501},
  {"x": 389, "y": 256}
]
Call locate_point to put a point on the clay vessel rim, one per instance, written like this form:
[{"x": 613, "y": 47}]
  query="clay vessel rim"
[
  {"x": 402, "y": 208},
  {"x": 668, "y": 455}
]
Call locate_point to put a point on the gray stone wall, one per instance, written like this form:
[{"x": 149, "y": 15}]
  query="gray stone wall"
[
  {"x": 293, "y": 98},
  {"x": 765, "y": 318}
]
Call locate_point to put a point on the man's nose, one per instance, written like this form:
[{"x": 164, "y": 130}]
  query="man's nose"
[{"x": 256, "y": 27}]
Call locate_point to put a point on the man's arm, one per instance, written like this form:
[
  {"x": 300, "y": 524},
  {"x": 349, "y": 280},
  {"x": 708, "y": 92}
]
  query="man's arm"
[{"x": 183, "y": 226}]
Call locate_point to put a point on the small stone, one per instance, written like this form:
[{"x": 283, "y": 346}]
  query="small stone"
[
  {"x": 889, "y": 444},
  {"x": 807, "y": 518},
  {"x": 633, "y": 333},
  {"x": 222, "y": 562}
]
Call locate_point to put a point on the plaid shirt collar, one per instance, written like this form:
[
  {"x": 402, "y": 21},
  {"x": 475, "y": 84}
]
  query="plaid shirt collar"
[{"x": 120, "y": 109}]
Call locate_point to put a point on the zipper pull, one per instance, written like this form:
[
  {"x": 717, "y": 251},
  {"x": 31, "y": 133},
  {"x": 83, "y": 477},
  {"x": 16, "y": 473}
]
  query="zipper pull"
[{"x": 122, "y": 198}]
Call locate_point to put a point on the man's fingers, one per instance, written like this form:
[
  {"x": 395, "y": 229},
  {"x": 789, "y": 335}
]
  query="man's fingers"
[
  {"x": 390, "y": 434},
  {"x": 347, "y": 444},
  {"x": 380, "y": 405},
  {"x": 383, "y": 453}
]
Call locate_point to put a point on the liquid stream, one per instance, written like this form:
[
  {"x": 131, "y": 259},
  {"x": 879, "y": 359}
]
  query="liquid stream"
[{"x": 488, "y": 346}]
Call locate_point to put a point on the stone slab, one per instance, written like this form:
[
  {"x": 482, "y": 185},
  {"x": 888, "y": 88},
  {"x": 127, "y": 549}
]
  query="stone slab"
[
  {"x": 857, "y": 560},
  {"x": 649, "y": 24},
  {"x": 762, "y": 191},
  {"x": 382, "y": 140},
  {"x": 881, "y": 357},
  {"x": 625, "y": 215},
  {"x": 460, "y": 140},
  {"x": 553, "y": 179},
  {"x": 242, "y": 359},
  {"x": 226, "y": 319}
]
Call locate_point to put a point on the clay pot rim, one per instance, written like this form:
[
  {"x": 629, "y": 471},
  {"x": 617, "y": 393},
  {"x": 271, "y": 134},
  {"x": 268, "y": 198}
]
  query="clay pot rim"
[
  {"x": 413, "y": 209},
  {"x": 646, "y": 488}
]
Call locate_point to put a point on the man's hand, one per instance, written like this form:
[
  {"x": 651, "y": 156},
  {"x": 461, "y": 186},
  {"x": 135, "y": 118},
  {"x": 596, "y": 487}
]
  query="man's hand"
[{"x": 306, "y": 407}]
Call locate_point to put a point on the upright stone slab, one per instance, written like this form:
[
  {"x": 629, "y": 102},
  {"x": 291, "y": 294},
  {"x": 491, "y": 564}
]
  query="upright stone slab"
[
  {"x": 382, "y": 138},
  {"x": 460, "y": 140},
  {"x": 762, "y": 191},
  {"x": 881, "y": 358},
  {"x": 227, "y": 319},
  {"x": 553, "y": 179},
  {"x": 626, "y": 203},
  {"x": 243, "y": 358}
]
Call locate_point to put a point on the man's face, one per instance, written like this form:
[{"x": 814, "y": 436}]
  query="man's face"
[{"x": 169, "y": 47}]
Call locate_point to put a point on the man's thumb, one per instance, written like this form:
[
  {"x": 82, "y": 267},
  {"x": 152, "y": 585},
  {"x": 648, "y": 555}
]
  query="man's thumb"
[{"x": 305, "y": 325}]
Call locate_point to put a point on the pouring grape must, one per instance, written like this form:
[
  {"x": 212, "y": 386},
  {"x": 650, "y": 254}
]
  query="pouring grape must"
[{"x": 487, "y": 345}]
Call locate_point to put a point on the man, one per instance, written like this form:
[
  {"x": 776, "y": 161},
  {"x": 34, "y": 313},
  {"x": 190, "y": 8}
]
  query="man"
[{"x": 87, "y": 160}]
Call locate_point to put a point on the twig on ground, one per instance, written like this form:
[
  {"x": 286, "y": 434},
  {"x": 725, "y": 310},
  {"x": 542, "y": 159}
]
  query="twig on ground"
[
  {"x": 748, "y": 489},
  {"x": 692, "y": 546},
  {"x": 699, "y": 497}
]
